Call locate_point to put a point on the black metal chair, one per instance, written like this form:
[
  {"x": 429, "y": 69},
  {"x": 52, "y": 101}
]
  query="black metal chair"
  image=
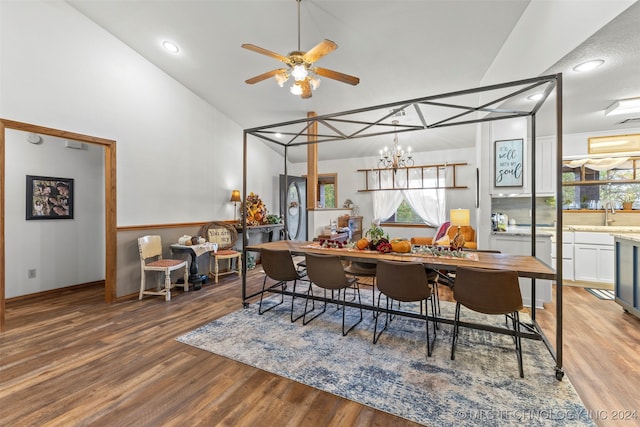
[
  {"x": 327, "y": 272},
  {"x": 404, "y": 282},
  {"x": 489, "y": 292},
  {"x": 278, "y": 265}
]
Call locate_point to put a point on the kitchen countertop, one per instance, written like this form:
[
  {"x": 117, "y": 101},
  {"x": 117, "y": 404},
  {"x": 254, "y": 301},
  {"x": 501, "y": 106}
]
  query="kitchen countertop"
[
  {"x": 519, "y": 230},
  {"x": 635, "y": 237}
]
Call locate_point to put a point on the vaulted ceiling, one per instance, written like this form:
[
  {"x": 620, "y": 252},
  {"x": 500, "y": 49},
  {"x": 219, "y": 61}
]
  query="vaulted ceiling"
[{"x": 399, "y": 49}]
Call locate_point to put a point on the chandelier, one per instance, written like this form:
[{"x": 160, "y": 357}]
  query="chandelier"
[{"x": 395, "y": 157}]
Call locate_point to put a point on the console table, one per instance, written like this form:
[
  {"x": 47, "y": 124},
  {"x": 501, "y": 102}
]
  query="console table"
[{"x": 195, "y": 251}]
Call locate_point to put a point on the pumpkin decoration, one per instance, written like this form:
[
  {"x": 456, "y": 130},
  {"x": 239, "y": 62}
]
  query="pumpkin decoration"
[
  {"x": 362, "y": 244},
  {"x": 401, "y": 246}
]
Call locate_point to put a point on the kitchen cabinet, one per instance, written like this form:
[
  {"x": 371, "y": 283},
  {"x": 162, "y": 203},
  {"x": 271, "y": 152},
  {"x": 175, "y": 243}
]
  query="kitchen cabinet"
[
  {"x": 567, "y": 255},
  {"x": 627, "y": 276},
  {"x": 521, "y": 245},
  {"x": 546, "y": 167},
  {"x": 593, "y": 257}
]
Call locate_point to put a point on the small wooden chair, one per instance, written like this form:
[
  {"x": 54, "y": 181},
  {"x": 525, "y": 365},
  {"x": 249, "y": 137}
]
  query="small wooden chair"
[
  {"x": 151, "y": 247},
  {"x": 225, "y": 236}
]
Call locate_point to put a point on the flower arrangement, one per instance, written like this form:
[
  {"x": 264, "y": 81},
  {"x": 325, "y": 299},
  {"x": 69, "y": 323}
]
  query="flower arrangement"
[
  {"x": 256, "y": 211},
  {"x": 378, "y": 239}
]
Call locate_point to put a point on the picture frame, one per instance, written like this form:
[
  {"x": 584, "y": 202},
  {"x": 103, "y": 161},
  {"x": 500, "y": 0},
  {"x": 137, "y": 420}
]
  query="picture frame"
[
  {"x": 49, "y": 198},
  {"x": 508, "y": 163}
]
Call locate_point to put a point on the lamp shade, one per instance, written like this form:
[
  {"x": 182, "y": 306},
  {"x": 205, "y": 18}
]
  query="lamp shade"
[
  {"x": 459, "y": 217},
  {"x": 235, "y": 196}
]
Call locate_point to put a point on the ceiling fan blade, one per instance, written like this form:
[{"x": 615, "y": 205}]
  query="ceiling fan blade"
[
  {"x": 306, "y": 89},
  {"x": 264, "y": 76},
  {"x": 319, "y": 50},
  {"x": 264, "y": 51},
  {"x": 345, "y": 78}
]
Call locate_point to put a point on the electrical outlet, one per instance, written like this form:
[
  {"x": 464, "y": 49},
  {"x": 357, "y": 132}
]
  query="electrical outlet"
[{"x": 32, "y": 273}]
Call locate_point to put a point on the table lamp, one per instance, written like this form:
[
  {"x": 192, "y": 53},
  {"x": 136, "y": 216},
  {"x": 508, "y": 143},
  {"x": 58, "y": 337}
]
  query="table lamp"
[
  {"x": 235, "y": 198},
  {"x": 459, "y": 218}
]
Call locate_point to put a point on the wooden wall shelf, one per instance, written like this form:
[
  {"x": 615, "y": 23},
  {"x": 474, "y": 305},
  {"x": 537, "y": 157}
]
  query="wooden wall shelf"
[{"x": 440, "y": 182}]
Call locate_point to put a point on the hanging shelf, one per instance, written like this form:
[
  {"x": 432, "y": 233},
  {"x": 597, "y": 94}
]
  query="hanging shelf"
[{"x": 441, "y": 181}]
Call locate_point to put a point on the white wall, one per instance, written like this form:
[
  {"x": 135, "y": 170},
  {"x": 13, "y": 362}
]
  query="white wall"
[
  {"x": 178, "y": 158},
  {"x": 65, "y": 251}
]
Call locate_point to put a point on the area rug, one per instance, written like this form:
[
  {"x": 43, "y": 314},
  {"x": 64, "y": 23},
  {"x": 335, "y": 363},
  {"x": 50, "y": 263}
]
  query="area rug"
[
  {"x": 480, "y": 387},
  {"x": 602, "y": 293}
]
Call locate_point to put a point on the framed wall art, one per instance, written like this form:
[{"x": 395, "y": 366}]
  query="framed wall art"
[
  {"x": 49, "y": 197},
  {"x": 508, "y": 163}
]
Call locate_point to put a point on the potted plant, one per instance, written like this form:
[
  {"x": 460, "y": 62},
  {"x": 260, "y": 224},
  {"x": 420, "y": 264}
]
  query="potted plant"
[
  {"x": 376, "y": 236},
  {"x": 628, "y": 199}
]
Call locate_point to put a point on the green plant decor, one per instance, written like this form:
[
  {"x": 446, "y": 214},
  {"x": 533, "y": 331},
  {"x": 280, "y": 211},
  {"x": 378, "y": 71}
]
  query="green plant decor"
[
  {"x": 376, "y": 235},
  {"x": 629, "y": 197}
]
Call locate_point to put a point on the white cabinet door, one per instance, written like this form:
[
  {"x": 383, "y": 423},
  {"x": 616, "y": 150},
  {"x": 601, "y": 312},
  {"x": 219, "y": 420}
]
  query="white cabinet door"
[
  {"x": 545, "y": 167},
  {"x": 606, "y": 264},
  {"x": 594, "y": 257},
  {"x": 586, "y": 262}
]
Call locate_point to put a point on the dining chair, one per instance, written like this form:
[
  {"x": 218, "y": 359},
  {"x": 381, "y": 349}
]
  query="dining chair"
[
  {"x": 361, "y": 270},
  {"x": 278, "y": 265},
  {"x": 404, "y": 282},
  {"x": 327, "y": 272},
  {"x": 225, "y": 236},
  {"x": 151, "y": 247},
  {"x": 494, "y": 292}
]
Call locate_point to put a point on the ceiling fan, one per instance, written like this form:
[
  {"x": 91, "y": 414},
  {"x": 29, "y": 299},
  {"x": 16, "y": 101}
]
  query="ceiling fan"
[{"x": 300, "y": 66}]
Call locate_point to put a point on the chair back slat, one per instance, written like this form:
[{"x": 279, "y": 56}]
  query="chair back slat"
[{"x": 150, "y": 246}]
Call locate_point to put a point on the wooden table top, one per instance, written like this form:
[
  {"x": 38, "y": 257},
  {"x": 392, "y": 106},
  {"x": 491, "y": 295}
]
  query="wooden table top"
[{"x": 525, "y": 265}]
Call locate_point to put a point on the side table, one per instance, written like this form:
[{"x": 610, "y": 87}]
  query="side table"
[{"x": 195, "y": 251}]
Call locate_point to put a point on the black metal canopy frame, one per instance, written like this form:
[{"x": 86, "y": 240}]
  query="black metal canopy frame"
[{"x": 505, "y": 101}]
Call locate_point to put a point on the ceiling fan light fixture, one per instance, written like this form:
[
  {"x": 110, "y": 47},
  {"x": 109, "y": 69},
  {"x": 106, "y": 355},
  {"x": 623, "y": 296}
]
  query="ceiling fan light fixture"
[
  {"x": 281, "y": 78},
  {"x": 314, "y": 82},
  {"x": 299, "y": 72},
  {"x": 296, "y": 89}
]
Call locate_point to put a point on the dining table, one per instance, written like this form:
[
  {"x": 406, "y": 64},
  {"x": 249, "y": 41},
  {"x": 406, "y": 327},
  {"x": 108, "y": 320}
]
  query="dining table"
[{"x": 445, "y": 262}]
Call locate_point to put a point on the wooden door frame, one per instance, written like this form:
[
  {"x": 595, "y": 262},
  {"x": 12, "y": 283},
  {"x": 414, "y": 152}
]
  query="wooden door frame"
[{"x": 110, "y": 202}]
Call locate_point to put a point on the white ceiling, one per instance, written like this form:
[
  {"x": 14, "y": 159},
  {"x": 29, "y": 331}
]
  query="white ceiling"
[{"x": 399, "y": 50}]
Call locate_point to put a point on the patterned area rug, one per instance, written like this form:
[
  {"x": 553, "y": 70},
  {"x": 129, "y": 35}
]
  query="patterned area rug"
[{"x": 480, "y": 387}]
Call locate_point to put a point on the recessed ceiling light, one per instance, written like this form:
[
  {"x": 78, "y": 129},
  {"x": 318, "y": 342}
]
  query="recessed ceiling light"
[
  {"x": 170, "y": 46},
  {"x": 535, "y": 97},
  {"x": 278, "y": 135},
  {"x": 588, "y": 66}
]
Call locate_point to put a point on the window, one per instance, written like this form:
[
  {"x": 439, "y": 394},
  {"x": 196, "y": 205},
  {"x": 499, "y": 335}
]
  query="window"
[
  {"x": 405, "y": 215},
  {"x": 327, "y": 186},
  {"x": 585, "y": 188}
]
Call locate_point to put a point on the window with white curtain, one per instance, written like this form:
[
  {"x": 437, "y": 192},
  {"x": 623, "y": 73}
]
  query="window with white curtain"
[{"x": 412, "y": 204}]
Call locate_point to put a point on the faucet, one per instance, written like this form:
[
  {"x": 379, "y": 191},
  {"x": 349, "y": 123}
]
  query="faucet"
[{"x": 608, "y": 205}]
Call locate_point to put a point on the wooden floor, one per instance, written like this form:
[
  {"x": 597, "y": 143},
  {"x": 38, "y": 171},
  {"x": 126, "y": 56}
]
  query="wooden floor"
[{"x": 70, "y": 360}]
